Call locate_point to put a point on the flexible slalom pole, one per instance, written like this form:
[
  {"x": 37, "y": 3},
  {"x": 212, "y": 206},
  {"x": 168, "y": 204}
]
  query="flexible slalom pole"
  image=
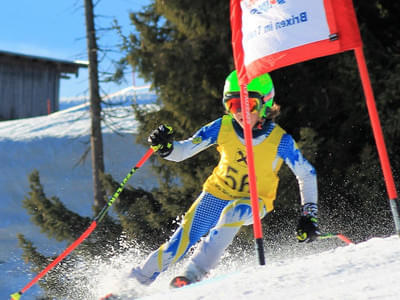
[
  {"x": 238, "y": 56},
  {"x": 379, "y": 139},
  {"x": 248, "y": 136},
  {"x": 335, "y": 235},
  {"x": 88, "y": 231}
]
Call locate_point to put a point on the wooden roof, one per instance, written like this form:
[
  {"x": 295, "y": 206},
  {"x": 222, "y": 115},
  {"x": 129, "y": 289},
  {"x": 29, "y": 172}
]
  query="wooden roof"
[{"x": 63, "y": 66}]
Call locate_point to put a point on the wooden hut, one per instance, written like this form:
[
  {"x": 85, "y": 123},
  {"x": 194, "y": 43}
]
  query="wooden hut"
[{"x": 29, "y": 85}]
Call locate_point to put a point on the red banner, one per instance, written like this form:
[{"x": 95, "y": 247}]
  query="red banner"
[{"x": 271, "y": 34}]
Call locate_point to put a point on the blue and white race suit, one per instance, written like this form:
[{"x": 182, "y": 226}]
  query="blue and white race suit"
[{"x": 224, "y": 205}]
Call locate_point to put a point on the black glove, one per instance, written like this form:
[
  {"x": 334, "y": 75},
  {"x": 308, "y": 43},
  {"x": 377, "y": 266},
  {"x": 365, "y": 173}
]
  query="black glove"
[
  {"x": 161, "y": 140},
  {"x": 307, "y": 227}
]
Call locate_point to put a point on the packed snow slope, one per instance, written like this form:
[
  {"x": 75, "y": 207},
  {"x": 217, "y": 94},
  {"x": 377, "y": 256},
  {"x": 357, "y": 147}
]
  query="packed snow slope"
[
  {"x": 54, "y": 145},
  {"x": 368, "y": 270}
]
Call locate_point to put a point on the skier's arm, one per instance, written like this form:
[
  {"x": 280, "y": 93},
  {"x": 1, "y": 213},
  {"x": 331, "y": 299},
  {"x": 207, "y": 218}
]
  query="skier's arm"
[
  {"x": 301, "y": 168},
  {"x": 307, "y": 227},
  {"x": 201, "y": 140}
]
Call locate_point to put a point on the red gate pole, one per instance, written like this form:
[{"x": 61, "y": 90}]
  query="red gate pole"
[
  {"x": 248, "y": 135},
  {"x": 379, "y": 140}
]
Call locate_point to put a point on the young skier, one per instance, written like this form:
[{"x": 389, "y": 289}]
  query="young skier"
[{"x": 224, "y": 204}]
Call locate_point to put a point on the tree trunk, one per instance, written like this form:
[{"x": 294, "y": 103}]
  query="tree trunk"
[{"x": 96, "y": 139}]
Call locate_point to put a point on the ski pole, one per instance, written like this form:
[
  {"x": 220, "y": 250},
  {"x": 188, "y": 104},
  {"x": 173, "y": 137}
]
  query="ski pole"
[
  {"x": 335, "y": 235},
  {"x": 88, "y": 231}
]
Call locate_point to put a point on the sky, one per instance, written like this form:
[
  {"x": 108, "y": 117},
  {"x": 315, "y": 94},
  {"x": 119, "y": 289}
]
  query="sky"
[
  {"x": 52, "y": 144},
  {"x": 56, "y": 29}
]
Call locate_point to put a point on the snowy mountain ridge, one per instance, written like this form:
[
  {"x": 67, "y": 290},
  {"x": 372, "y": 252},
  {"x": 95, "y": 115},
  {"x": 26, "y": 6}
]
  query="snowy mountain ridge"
[{"x": 127, "y": 96}]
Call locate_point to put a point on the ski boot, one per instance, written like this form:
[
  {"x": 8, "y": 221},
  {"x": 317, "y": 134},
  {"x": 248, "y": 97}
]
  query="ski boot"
[{"x": 180, "y": 281}]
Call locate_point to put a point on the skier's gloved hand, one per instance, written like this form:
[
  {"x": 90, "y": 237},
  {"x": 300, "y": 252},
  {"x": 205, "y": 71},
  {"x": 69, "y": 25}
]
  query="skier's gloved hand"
[
  {"x": 307, "y": 227},
  {"x": 161, "y": 140}
]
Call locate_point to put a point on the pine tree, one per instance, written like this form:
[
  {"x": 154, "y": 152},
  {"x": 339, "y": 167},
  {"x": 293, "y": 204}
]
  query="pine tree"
[
  {"x": 62, "y": 224},
  {"x": 51, "y": 215},
  {"x": 322, "y": 100}
]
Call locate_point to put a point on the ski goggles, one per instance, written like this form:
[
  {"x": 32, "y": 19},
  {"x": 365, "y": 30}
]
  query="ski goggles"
[{"x": 233, "y": 105}]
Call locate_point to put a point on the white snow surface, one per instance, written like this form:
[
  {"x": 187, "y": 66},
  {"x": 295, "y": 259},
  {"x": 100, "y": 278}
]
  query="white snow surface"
[
  {"x": 53, "y": 144},
  {"x": 368, "y": 270}
]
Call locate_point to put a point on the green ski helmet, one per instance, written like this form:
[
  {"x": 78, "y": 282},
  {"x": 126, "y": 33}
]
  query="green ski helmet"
[{"x": 262, "y": 85}]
